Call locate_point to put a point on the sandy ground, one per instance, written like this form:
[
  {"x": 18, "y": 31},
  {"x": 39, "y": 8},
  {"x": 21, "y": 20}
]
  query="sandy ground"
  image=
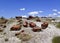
[{"x": 44, "y": 36}]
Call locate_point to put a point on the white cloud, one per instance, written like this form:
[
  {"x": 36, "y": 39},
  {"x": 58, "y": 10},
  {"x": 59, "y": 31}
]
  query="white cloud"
[
  {"x": 22, "y": 9},
  {"x": 24, "y": 16},
  {"x": 33, "y": 13},
  {"x": 55, "y": 10},
  {"x": 58, "y": 12},
  {"x": 52, "y": 15},
  {"x": 55, "y": 14},
  {"x": 40, "y": 11},
  {"x": 49, "y": 15}
]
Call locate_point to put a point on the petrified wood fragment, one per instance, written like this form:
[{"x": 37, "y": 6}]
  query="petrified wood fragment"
[
  {"x": 44, "y": 25},
  {"x": 18, "y": 17},
  {"x": 36, "y": 29},
  {"x": 16, "y": 27},
  {"x": 31, "y": 24},
  {"x": 25, "y": 24}
]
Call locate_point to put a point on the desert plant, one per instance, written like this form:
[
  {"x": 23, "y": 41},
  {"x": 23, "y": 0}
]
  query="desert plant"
[
  {"x": 58, "y": 25},
  {"x": 56, "y": 39},
  {"x": 24, "y": 37}
]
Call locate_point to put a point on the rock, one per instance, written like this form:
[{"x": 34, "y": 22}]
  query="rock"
[
  {"x": 18, "y": 17},
  {"x": 36, "y": 29},
  {"x": 19, "y": 32},
  {"x": 44, "y": 25},
  {"x": 31, "y": 24},
  {"x": 16, "y": 27},
  {"x": 31, "y": 17},
  {"x": 25, "y": 24}
]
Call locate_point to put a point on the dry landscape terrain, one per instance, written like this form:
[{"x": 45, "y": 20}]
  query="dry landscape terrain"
[{"x": 30, "y": 30}]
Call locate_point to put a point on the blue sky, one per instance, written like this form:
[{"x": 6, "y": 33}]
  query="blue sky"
[{"x": 12, "y": 8}]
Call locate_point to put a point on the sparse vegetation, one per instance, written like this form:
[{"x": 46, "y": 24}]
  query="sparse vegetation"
[
  {"x": 56, "y": 39},
  {"x": 58, "y": 25},
  {"x": 24, "y": 37}
]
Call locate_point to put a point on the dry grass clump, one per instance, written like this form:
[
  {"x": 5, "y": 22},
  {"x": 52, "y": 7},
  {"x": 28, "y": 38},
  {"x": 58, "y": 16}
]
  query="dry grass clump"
[
  {"x": 56, "y": 39},
  {"x": 58, "y": 25},
  {"x": 24, "y": 37}
]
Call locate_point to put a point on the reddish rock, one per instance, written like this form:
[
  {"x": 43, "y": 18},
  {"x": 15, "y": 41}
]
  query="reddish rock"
[
  {"x": 36, "y": 29},
  {"x": 16, "y": 27},
  {"x": 25, "y": 24},
  {"x": 22, "y": 30},
  {"x": 18, "y": 17},
  {"x": 31, "y": 17},
  {"x": 19, "y": 32},
  {"x": 31, "y": 24},
  {"x": 44, "y": 25}
]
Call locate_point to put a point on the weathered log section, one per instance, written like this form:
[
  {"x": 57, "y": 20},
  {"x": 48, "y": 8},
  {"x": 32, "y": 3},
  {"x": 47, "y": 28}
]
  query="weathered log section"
[
  {"x": 18, "y": 17},
  {"x": 36, "y": 29},
  {"x": 16, "y": 27},
  {"x": 25, "y": 24},
  {"x": 44, "y": 25},
  {"x": 31, "y": 24}
]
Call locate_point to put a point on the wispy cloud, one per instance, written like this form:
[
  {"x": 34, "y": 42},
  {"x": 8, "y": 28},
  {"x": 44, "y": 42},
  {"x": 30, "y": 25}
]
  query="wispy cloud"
[
  {"x": 49, "y": 15},
  {"x": 55, "y": 14},
  {"x": 33, "y": 13},
  {"x": 24, "y": 15},
  {"x": 52, "y": 15},
  {"x": 22, "y": 9},
  {"x": 40, "y": 11},
  {"x": 58, "y": 12},
  {"x": 54, "y": 10}
]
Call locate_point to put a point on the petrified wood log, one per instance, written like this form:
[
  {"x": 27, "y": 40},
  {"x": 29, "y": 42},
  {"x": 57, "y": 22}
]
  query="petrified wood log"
[
  {"x": 18, "y": 17},
  {"x": 31, "y": 17},
  {"x": 19, "y": 32},
  {"x": 36, "y": 29},
  {"x": 16, "y": 27},
  {"x": 25, "y": 24},
  {"x": 31, "y": 24},
  {"x": 44, "y": 25}
]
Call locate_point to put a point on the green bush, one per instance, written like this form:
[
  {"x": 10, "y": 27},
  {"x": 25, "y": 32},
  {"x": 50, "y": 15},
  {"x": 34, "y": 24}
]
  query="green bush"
[{"x": 56, "y": 39}]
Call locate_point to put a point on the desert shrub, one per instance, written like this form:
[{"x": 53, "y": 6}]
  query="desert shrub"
[
  {"x": 24, "y": 37},
  {"x": 56, "y": 39},
  {"x": 58, "y": 25}
]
